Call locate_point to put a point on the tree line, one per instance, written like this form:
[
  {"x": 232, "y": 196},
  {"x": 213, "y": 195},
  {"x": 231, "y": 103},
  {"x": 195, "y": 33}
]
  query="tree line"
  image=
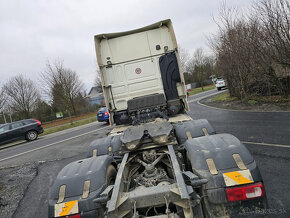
[
  {"x": 59, "y": 90},
  {"x": 253, "y": 50},
  {"x": 250, "y": 51},
  {"x": 197, "y": 67}
]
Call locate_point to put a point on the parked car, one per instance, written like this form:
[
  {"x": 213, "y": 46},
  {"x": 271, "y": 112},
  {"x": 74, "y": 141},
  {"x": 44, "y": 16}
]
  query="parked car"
[
  {"x": 220, "y": 83},
  {"x": 103, "y": 115},
  {"x": 25, "y": 129}
]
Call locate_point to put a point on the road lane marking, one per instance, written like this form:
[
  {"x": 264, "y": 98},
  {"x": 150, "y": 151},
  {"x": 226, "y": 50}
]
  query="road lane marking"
[
  {"x": 267, "y": 144},
  {"x": 36, "y": 149}
]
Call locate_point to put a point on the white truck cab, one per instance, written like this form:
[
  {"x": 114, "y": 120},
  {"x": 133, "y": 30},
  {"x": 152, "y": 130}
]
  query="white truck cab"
[{"x": 140, "y": 72}]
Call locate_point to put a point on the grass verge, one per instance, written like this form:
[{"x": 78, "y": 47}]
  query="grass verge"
[
  {"x": 252, "y": 103},
  {"x": 199, "y": 90},
  {"x": 254, "y": 100},
  {"x": 223, "y": 97},
  {"x": 68, "y": 126},
  {"x": 67, "y": 120}
]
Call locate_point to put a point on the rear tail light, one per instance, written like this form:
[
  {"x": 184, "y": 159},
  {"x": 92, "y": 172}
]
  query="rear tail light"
[
  {"x": 106, "y": 113},
  {"x": 73, "y": 216},
  {"x": 38, "y": 122},
  {"x": 245, "y": 192}
]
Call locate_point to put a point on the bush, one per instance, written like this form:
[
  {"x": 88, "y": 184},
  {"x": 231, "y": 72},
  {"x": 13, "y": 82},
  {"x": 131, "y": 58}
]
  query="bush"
[{"x": 252, "y": 102}]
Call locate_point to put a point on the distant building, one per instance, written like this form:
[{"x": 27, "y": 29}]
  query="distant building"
[{"x": 96, "y": 97}]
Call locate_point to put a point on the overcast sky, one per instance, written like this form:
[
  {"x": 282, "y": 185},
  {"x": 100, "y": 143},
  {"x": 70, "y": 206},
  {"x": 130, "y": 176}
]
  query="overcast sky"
[{"x": 35, "y": 31}]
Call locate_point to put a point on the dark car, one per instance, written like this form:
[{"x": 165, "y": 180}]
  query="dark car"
[
  {"x": 24, "y": 129},
  {"x": 103, "y": 115}
]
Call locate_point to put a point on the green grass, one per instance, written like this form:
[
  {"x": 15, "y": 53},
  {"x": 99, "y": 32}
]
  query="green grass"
[
  {"x": 223, "y": 97},
  {"x": 199, "y": 90},
  {"x": 252, "y": 102},
  {"x": 68, "y": 126},
  {"x": 255, "y": 100}
]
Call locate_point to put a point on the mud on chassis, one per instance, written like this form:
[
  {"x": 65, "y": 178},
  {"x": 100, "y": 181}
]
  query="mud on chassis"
[{"x": 161, "y": 169}]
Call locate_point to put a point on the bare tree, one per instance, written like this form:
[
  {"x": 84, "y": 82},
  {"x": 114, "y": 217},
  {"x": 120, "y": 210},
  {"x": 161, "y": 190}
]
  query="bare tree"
[
  {"x": 22, "y": 95},
  {"x": 245, "y": 52},
  {"x": 184, "y": 57},
  {"x": 98, "y": 82},
  {"x": 275, "y": 19},
  {"x": 196, "y": 66},
  {"x": 63, "y": 86}
]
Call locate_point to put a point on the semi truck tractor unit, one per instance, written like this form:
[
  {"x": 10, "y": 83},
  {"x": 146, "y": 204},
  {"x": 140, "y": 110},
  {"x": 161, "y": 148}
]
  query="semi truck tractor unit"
[{"x": 157, "y": 161}]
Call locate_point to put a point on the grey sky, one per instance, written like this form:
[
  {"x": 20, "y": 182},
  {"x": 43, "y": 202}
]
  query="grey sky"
[{"x": 34, "y": 31}]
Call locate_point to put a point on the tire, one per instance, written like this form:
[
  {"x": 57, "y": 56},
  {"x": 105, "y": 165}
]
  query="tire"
[
  {"x": 31, "y": 135},
  {"x": 218, "y": 89},
  {"x": 110, "y": 175}
]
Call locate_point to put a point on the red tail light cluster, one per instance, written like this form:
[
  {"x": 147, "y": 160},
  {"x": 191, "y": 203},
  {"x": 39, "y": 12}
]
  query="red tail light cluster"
[
  {"x": 73, "y": 216},
  {"x": 106, "y": 113},
  {"x": 38, "y": 122},
  {"x": 245, "y": 192}
]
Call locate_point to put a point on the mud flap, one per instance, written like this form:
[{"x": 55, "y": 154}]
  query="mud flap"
[
  {"x": 225, "y": 162},
  {"x": 192, "y": 129},
  {"x": 170, "y": 75},
  {"x": 108, "y": 145},
  {"x": 77, "y": 185}
]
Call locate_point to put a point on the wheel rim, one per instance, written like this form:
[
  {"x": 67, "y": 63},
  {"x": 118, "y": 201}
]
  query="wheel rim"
[{"x": 32, "y": 135}]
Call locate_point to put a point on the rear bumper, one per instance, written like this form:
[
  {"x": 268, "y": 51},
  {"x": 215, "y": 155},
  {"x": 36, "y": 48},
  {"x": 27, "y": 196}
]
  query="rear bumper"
[
  {"x": 256, "y": 207},
  {"x": 220, "y": 86},
  {"x": 102, "y": 119},
  {"x": 40, "y": 130}
]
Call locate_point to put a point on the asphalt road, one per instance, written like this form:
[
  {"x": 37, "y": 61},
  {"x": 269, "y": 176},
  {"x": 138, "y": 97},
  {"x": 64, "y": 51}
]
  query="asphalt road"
[
  {"x": 59, "y": 142},
  {"x": 27, "y": 171},
  {"x": 267, "y": 136}
]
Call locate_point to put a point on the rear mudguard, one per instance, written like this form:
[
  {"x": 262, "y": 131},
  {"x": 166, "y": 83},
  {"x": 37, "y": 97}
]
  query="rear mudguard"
[
  {"x": 73, "y": 176},
  {"x": 192, "y": 129},
  {"x": 211, "y": 156},
  {"x": 109, "y": 145}
]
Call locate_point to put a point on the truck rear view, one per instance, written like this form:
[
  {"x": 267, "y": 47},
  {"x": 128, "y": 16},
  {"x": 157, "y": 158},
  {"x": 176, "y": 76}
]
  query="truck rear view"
[
  {"x": 171, "y": 166},
  {"x": 140, "y": 73}
]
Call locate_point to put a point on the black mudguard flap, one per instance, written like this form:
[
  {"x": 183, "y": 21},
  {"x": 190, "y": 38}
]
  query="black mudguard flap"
[
  {"x": 220, "y": 148},
  {"x": 195, "y": 127},
  {"x": 102, "y": 146},
  {"x": 74, "y": 175},
  {"x": 170, "y": 75}
]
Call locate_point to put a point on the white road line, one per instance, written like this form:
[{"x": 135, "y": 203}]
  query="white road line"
[
  {"x": 267, "y": 144},
  {"x": 36, "y": 149}
]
